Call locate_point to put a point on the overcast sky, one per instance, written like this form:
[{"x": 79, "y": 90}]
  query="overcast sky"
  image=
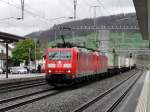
[{"x": 42, "y": 14}]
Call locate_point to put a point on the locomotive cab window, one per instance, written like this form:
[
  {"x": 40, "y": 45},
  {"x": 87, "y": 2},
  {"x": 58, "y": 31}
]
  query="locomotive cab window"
[{"x": 59, "y": 55}]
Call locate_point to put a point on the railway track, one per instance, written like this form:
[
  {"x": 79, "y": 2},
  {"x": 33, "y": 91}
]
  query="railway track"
[
  {"x": 18, "y": 86},
  {"x": 119, "y": 100},
  {"x": 103, "y": 95},
  {"x": 20, "y": 100},
  {"x": 14, "y": 102}
]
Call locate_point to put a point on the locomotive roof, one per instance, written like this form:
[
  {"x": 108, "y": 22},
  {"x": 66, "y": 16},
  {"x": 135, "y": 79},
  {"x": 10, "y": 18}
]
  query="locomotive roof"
[
  {"x": 82, "y": 50},
  {"x": 59, "y": 48},
  {"x": 78, "y": 49}
]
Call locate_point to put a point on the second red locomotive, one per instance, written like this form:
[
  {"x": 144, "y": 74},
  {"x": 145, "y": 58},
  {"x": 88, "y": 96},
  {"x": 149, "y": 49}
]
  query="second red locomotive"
[{"x": 64, "y": 65}]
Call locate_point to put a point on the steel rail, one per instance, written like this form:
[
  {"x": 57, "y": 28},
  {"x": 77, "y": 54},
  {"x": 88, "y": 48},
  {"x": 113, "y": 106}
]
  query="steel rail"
[
  {"x": 23, "y": 96},
  {"x": 115, "y": 104},
  {"x": 20, "y": 82},
  {"x": 20, "y": 87},
  {"x": 28, "y": 100},
  {"x": 96, "y": 99}
]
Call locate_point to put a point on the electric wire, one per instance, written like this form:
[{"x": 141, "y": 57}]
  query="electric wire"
[
  {"x": 35, "y": 12},
  {"x": 90, "y": 7},
  {"x": 3, "y": 19},
  {"x": 86, "y": 3},
  {"x": 121, "y": 7},
  {"x": 106, "y": 10},
  {"x": 8, "y": 24},
  {"x": 27, "y": 11}
]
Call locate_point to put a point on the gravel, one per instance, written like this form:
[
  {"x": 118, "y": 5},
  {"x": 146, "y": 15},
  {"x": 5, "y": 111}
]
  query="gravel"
[
  {"x": 71, "y": 98},
  {"x": 23, "y": 91},
  {"x": 103, "y": 104}
]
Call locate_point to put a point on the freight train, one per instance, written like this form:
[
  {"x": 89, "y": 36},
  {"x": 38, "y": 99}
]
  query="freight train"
[{"x": 68, "y": 65}]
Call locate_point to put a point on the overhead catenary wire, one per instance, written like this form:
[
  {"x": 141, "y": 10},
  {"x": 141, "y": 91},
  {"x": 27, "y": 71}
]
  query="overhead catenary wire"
[
  {"x": 8, "y": 24},
  {"x": 8, "y": 18},
  {"x": 90, "y": 7},
  {"x": 35, "y": 12},
  {"x": 27, "y": 11},
  {"x": 86, "y": 3},
  {"x": 120, "y": 7},
  {"x": 55, "y": 18},
  {"x": 106, "y": 10}
]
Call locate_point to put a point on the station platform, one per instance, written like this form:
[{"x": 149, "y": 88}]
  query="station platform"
[
  {"x": 20, "y": 77},
  {"x": 138, "y": 99},
  {"x": 143, "y": 104}
]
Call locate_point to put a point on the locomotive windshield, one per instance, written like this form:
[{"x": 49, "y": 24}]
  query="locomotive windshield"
[{"x": 59, "y": 55}]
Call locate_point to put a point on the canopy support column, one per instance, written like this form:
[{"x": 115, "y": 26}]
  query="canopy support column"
[
  {"x": 148, "y": 3},
  {"x": 6, "y": 60}
]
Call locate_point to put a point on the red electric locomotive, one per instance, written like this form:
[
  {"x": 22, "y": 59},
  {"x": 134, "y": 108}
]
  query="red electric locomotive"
[{"x": 64, "y": 65}]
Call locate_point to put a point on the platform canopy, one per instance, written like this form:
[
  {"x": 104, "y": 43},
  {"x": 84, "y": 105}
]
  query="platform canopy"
[
  {"x": 143, "y": 15},
  {"x": 9, "y": 38}
]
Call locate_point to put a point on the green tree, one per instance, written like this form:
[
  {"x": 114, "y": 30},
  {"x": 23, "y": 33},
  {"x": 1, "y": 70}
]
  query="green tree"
[{"x": 24, "y": 50}]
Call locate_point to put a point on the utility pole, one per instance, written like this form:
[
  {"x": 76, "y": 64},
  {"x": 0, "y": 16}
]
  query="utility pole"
[
  {"x": 73, "y": 35},
  {"x": 22, "y": 8},
  {"x": 29, "y": 59},
  {"x": 55, "y": 34},
  {"x": 114, "y": 58},
  {"x": 95, "y": 13},
  {"x": 35, "y": 51},
  {"x": 6, "y": 60},
  {"x": 75, "y": 9},
  {"x": 75, "y": 15},
  {"x": 94, "y": 18}
]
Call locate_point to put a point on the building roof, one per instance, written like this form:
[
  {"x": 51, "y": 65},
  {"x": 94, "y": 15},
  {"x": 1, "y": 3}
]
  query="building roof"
[{"x": 142, "y": 16}]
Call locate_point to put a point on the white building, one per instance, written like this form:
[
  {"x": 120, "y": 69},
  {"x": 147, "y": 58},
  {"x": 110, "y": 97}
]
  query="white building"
[{"x": 3, "y": 54}]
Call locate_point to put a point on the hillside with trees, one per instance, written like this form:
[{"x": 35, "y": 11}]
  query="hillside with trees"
[{"x": 54, "y": 33}]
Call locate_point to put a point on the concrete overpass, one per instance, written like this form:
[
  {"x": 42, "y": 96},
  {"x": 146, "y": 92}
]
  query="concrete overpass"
[{"x": 143, "y": 15}]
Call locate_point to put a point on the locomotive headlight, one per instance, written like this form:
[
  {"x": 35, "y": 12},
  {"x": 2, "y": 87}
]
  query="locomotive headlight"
[
  {"x": 67, "y": 65},
  {"x": 51, "y": 65},
  {"x": 69, "y": 71},
  {"x": 49, "y": 71}
]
